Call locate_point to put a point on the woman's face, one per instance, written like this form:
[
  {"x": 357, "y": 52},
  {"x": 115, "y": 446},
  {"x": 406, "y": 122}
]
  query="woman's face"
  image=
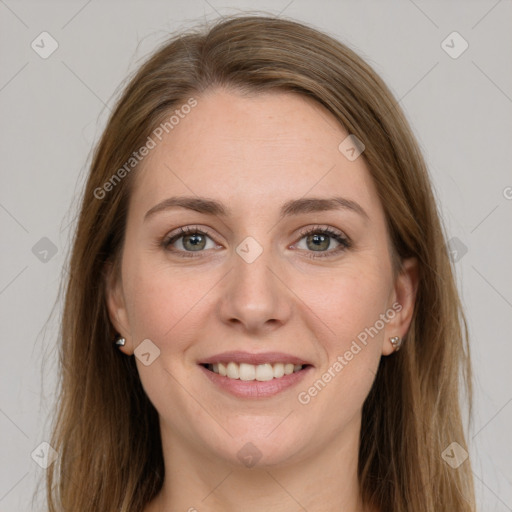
[{"x": 285, "y": 261}]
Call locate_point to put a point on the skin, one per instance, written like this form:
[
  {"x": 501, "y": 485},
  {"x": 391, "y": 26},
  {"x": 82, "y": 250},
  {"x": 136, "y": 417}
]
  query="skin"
[{"x": 254, "y": 153}]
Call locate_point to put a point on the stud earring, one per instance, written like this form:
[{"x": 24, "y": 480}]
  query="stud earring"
[
  {"x": 119, "y": 341},
  {"x": 396, "y": 342}
]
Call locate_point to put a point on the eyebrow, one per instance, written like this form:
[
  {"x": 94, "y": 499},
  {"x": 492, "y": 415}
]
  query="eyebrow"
[{"x": 294, "y": 207}]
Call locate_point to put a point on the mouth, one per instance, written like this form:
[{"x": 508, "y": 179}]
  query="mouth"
[
  {"x": 254, "y": 372},
  {"x": 254, "y": 375},
  {"x": 254, "y": 381}
]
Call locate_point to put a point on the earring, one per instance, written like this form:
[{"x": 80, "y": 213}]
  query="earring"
[
  {"x": 119, "y": 341},
  {"x": 396, "y": 342}
]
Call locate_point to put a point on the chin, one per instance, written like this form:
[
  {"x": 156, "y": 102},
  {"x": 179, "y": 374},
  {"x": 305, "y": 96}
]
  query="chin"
[{"x": 261, "y": 448}]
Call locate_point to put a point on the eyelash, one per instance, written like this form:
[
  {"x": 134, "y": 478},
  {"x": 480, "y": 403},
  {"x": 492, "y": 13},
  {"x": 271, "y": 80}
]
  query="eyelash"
[{"x": 343, "y": 240}]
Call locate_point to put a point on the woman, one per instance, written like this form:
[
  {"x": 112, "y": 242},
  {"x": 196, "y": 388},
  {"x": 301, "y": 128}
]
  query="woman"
[{"x": 261, "y": 312}]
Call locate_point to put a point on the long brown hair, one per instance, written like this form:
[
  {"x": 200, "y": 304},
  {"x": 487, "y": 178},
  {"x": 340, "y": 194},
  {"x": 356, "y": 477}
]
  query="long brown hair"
[{"x": 106, "y": 431}]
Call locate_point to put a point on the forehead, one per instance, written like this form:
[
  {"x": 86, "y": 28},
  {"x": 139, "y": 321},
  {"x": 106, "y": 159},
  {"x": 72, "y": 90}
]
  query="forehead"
[{"x": 253, "y": 147}]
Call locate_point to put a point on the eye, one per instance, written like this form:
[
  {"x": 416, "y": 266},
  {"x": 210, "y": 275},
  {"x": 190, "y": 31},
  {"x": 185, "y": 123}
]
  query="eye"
[
  {"x": 325, "y": 241},
  {"x": 189, "y": 239}
]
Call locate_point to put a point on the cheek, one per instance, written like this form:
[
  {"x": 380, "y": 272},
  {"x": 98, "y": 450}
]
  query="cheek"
[
  {"x": 347, "y": 316},
  {"x": 163, "y": 303},
  {"x": 346, "y": 302},
  {"x": 165, "y": 306},
  {"x": 352, "y": 349}
]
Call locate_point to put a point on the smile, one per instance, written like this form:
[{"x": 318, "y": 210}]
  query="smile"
[
  {"x": 250, "y": 372},
  {"x": 248, "y": 381}
]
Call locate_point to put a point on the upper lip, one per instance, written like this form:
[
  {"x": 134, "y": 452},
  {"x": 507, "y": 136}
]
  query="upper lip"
[{"x": 255, "y": 359}]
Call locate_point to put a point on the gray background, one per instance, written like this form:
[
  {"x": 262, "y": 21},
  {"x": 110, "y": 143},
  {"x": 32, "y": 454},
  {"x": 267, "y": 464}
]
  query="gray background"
[{"x": 54, "y": 109}]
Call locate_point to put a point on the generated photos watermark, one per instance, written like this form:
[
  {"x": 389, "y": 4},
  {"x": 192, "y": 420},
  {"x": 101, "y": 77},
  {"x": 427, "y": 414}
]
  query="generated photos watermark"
[
  {"x": 137, "y": 156},
  {"x": 305, "y": 397}
]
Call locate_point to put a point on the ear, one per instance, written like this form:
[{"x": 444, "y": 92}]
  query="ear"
[
  {"x": 116, "y": 305},
  {"x": 402, "y": 303}
]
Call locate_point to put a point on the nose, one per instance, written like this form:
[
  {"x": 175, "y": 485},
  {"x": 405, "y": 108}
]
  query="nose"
[{"x": 255, "y": 298}]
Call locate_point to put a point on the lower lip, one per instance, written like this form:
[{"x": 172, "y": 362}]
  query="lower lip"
[{"x": 256, "y": 388}]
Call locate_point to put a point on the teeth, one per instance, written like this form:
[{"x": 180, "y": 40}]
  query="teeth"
[
  {"x": 246, "y": 372},
  {"x": 233, "y": 371},
  {"x": 260, "y": 372},
  {"x": 278, "y": 370},
  {"x": 264, "y": 372}
]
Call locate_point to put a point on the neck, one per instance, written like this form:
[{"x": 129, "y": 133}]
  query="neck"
[{"x": 324, "y": 482}]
